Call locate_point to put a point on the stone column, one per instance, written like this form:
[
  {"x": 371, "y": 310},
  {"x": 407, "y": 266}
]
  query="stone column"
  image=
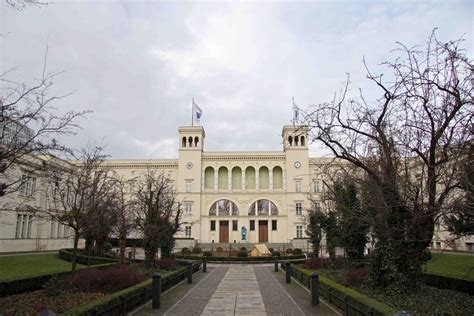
[
  {"x": 284, "y": 180},
  {"x": 216, "y": 179},
  {"x": 243, "y": 179},
  {"x": 229, "y": 180},
  {"x": 257, "y": 179},
  {"x": 270, "y": 173}
]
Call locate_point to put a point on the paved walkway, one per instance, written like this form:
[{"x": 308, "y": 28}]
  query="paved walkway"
[{"x": 237, "y": 290}]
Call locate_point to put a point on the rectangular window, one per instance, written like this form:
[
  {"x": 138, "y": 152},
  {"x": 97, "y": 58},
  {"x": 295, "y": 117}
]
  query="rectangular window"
[
  {"x": 59, "y": 231},
  {"x": 299, "y": 231},
  {"x": 298, "y": 186},
  {"x": 213, "y": 226},
  {"x": 235, "y": 225},
  {"x": 189, "y": 186},
  {"x": 274, "y": 224},
  {"x": 30, "y": 224},
  {"x": 52, "y": 229},
  {"x": 28, "y": 186},
  {"x": 18, "y": 225},
  {"x": 189, "y": 209},
  {"x": 316, "y": 186},
  {"x": 24, "y": 226},
  {"x": 299, "y": 208},
  {"x": 252, "y": 225},
  {"x": 187, "y": 232}
]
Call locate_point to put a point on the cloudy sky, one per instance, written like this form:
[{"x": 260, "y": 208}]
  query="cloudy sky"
[{"x": 138, "y": 64}]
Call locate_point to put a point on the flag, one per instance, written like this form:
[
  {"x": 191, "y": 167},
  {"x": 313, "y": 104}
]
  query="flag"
[
  {"x": 197, "y": 112},
  {"x": 296, "y": 112}
]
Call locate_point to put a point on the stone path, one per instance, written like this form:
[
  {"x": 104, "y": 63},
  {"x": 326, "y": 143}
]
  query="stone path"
[
  {"x": 237, "y": 290},
  {"x": 237, "y": 294}
]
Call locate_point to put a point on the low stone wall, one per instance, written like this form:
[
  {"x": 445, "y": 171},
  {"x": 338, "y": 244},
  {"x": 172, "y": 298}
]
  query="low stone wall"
[{"x": 237, "y": 246}]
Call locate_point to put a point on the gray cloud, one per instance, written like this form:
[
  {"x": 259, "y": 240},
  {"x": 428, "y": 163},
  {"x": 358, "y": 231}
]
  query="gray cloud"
[{"x": 138, "y": 64}]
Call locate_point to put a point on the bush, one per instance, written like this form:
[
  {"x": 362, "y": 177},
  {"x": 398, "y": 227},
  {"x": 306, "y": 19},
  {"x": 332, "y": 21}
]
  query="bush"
[
  {"x": 107, "y": 280},
  {"x": 356, "y": 276},
  {"x": 276, "y": 254},
  {"x": 297, "y": 251},
  {"x": 52, "y": 287},
  {"x": 443, "y": 282},
  {"x": 242, "y": 254},
  {"x": 234, "y": 259},
  {"x": 207, "y": 254},
  {"x": 197, "y": 250},
  {"x": 289, "y": 251},
  {"x": 185, "y": 251},
  {"x": 219, "y": 249},
  {"x": 166, "y": 264},
  {"x": 243, "y": 249},
  {"x": 67, "y": 254},
  {"x": 426, "y": 256},
  {"x": 325, "y": 263}
]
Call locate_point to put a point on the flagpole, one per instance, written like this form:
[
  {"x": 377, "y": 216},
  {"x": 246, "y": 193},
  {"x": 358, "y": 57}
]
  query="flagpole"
[{"x": 192, "y": 113}]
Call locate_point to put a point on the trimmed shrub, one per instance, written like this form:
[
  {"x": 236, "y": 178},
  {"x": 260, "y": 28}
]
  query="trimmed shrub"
[
  {"x": 109, "y": 280},
  {"x": 242, "y": 254},
  {"x": 243, "y": 249},
  {"x": 324, "y": 263},
  {"x": 276, "y": 254},
  {"x": 166, "y": 264},
  {"x": 185, "y": 251},
  {"x": 197, "y": 250},
  {"x": 232, "y": 259},
  {"x": 297, "y": 251},
  {"x": 289, "y": 251},
  {"x": 356, "y": 276},
  {"x": 443, "y": 282},
  {"x": 67, "y": 254},
  {"x": 207, "y": 254},
  {"x": 219, "y": 249}
]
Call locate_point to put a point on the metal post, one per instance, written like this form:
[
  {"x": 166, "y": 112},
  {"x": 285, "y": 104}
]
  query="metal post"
[
  {"x": 276, "y": 265},
  {"x": 156, "y": 291},
  {"x": 204, "y": 264},
  {"x": 190, "y": 272},
  {"x": 314, "y": 289},
  {"x": 288, "y": 272}
]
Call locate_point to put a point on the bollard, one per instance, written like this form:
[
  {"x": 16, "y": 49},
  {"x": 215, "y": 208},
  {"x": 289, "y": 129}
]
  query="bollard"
[
  {"x": 314, "y": 289},
  {"x": 276, "y": 265},
  {"x": 156, "y": 291},
  {"x": 288, "y": 272},
  {"x": 204, "y": 264},
  {"x": 190, "y": 272}
]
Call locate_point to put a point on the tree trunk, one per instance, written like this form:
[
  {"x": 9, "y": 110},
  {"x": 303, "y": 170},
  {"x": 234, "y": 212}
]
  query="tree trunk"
[
  {"x": 122, "y": 245},
  {"x": 74, "y": 252}
]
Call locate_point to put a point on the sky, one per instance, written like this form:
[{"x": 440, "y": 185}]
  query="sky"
[{"x": 137, "y": 64}]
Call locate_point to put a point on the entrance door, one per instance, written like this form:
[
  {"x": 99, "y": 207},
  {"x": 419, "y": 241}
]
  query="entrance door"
[
  {"x": 262, "y": 231},
  {"x": 224, "y": 231}
]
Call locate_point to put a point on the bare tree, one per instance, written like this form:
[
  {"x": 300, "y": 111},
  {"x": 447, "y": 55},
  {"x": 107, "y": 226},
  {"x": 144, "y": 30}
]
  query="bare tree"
[
  {"x": 125, "y": 220},
  {"x": 158, "y": 213},
  {"x": 406, "y": 146},
  {"x": 77, "y": 192}
]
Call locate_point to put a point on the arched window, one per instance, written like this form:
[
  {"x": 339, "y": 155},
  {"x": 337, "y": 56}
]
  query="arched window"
[
  {"x": 250, "y": 178},
  {"x": 264, "y": 178},
  {"x": 296, "y": 140},
  {"x": 277, "y": 178},
  {"x": 209, "y": 178},
  {"x": 224, "y": 208},
  {"x": 183, "y": 144},
  {"x": 190, "y": 141},
  {"x": 236, "y": 178},
  {"x": 290, "y": 140},
  {"x": 263, "y": 207},
  {"x": 196, "y": 141},
  {"x": 223, "y": 178},
  {"x": 302, "y": 140}
]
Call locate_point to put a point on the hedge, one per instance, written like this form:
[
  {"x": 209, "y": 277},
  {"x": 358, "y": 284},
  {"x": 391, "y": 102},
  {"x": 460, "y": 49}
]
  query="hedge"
[
  {"x": 66, "y": 254},
  {"x": 444, "y": 282},
  {"x": 18, "y": 286},
  {"x": 121, "y": 302},
  {"x": 339, "y": 295},
  {"x": 240, "y": 259}
]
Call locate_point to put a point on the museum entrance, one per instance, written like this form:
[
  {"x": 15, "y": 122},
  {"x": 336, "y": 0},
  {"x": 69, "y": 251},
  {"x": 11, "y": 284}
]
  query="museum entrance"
[
  {"x": 224, "y": 231},
  {"x": 262, "y": 231}
]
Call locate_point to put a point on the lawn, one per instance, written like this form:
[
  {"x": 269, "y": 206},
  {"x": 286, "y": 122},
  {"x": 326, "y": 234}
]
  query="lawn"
[
  {"x": 452, "y": 265},
  {"x": 23, "y": 266}
]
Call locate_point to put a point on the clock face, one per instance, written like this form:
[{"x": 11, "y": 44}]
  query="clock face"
[
  {"x": 189, "y": 165},
  {"x": 297, "y": 164}
]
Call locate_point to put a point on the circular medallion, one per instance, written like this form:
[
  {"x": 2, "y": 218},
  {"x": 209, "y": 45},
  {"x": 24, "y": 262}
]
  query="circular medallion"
[
  {"x": 189, "y": 165},
  {"x": 297, "y": 164}
]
